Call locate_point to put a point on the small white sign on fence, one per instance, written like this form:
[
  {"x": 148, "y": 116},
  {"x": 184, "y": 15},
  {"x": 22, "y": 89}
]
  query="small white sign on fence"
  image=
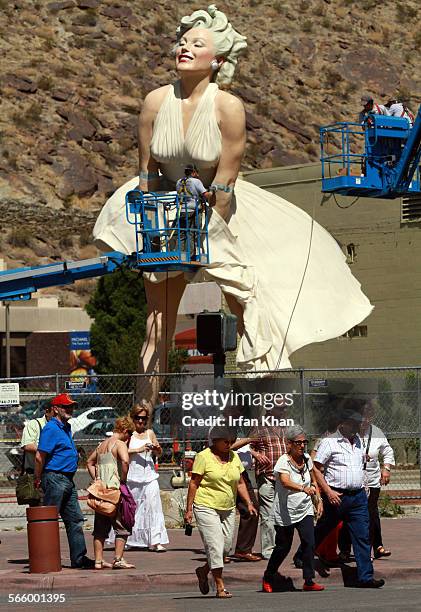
[{"x": 9, "y": 394}]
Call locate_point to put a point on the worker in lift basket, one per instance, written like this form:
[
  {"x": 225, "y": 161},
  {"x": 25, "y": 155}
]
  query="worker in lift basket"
[
  {"x": 400, "y": 109},
  {"x": 369, "y": 106}
]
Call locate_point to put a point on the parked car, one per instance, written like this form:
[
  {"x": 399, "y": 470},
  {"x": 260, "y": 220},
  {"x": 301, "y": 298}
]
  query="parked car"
[
  {"x": 174, "y": 438},
  {"x": 34, "y": 409},
  {"x": 87, "y": 438},
  {"x": 92, "y": 415},
  {"x": 95, "y": 430}
]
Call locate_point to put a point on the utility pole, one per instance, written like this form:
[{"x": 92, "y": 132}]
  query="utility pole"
[{"x": 7, "y": 327}]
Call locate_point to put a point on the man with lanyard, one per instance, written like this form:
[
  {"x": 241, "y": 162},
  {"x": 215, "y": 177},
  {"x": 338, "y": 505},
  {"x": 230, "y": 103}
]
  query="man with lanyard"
[
  {"x": 190, "y": 190},
  {"x": 55, "y": 467},
  {"x": 342, "y": 458},
  {"x": 29, "y": 442},
  {"x": 267, "y": 444}
]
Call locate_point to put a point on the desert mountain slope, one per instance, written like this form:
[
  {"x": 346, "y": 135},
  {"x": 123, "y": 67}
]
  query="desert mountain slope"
[{"x": 74, "y": 73}]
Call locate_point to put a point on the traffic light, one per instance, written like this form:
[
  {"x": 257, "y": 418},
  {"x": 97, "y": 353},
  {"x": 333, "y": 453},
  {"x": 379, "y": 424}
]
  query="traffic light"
[{"x": 216, "y": 332}]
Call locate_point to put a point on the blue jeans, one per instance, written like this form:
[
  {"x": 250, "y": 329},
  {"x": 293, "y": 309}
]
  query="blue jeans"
[
  {"x": 353, "y": 510},
  {"x": 59, "y": 490}
]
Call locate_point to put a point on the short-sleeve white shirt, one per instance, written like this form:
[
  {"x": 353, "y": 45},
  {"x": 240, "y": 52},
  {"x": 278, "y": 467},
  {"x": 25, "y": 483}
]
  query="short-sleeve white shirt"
[
  {"x": 398, "y": 110},
  {"x": 343, "y": 462},
  {"x": 194, "y": 190},
  {"x": 378, "y": 445},
  {"x": 290, "y": 507},
  {"x": 30, "y": 435}
]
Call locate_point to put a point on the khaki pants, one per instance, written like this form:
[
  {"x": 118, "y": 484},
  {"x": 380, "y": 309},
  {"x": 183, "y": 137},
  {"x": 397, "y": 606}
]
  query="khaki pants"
[
  {"x": 266, "y": 488},
  {"x": 216, "y": 528}
]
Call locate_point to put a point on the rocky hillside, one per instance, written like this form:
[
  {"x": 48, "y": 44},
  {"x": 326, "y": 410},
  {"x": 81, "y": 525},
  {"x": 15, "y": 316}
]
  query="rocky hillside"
[{"x": 75, "y": 73}]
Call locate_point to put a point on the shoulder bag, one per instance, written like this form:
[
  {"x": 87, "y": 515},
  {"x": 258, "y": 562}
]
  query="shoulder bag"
[
  {"x": 26, "y": 492},
  {"x": 102, "y": 499}
]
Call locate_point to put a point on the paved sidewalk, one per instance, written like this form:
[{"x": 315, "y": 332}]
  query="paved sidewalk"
[{"x": 175, "y": 569}]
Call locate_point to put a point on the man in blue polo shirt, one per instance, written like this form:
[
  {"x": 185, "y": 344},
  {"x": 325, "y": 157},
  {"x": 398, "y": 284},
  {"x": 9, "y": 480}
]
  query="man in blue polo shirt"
[{"x": 55, "y": 466}]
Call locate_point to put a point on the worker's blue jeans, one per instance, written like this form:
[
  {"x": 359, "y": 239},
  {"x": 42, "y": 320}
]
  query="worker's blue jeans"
[
  {"x": 353, "y": 510},
  {"x": 59, "y": 490}
]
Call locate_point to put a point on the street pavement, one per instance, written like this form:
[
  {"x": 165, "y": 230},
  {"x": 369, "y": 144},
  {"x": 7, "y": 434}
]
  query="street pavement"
[
  {"x": 392, "y": 598},
  {"x": 173, "y": 571}
]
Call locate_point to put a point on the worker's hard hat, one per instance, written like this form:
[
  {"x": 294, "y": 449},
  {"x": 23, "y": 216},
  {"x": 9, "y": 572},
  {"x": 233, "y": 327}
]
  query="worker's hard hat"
[{"x": 190, "y": 168}]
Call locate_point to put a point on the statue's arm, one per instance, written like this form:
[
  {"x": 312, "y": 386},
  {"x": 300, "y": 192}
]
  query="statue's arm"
[
  {"x": 232, "y": 123},
  {"x": 148, "y": 166}
]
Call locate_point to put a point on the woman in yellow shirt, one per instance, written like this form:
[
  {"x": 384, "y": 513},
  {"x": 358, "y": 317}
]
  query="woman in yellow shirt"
[{"x": 216, "y": 478}]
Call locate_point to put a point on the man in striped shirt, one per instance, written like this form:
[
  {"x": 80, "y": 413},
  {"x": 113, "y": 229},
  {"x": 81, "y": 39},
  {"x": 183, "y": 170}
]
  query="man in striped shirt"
[
  {"x": 267, "y": 444},
  {"x": 341, "y": 457}
]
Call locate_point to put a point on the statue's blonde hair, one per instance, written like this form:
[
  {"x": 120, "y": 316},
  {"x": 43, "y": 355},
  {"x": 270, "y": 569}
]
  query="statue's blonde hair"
[{"x": 229, "y": 44}]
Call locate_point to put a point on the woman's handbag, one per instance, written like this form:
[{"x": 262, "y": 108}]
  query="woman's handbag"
[
  {"x": 127, "y": 507},
  {"x": 103, "y": 500}
]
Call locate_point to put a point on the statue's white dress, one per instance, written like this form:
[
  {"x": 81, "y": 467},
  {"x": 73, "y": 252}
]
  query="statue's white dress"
[{"x": 287, "y": 271}]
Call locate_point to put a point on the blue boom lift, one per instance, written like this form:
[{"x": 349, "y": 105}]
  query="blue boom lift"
[
  {"x": 378, "y": 159},
  {"x": 168, "y": 237}
]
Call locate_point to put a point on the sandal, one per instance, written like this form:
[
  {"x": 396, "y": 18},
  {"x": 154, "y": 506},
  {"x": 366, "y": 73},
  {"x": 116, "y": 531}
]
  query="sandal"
[
  {"x": 381, "y": 552},
  {"x": 100, "y": 565},
  {"x": 223, "y": 594},
  {"x": 203, "y": 581},
  {"x": 122, "y": 564}
]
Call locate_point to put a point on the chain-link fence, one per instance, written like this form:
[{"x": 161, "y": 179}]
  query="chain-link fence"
[{"x": 186, "y": 409}]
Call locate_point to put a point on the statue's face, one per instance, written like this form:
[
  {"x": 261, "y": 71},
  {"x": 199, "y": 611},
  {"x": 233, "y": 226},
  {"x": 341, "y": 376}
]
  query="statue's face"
[{"x": 195, "y": 51}]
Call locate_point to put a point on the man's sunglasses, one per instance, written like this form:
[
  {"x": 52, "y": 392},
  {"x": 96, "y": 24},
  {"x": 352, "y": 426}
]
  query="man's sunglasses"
[
  {"x": 300, "y": 442},
  {"x": 140, "y": 418}
]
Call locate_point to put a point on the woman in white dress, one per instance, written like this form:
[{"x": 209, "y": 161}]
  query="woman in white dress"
[
  {"x": 283, "y": 275},
  {"x": 149, "y": 530}
]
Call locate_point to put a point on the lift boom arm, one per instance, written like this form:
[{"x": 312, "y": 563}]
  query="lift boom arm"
[
  {"x": 20, "y": 284},
  {"x": 402, "y": 174}
]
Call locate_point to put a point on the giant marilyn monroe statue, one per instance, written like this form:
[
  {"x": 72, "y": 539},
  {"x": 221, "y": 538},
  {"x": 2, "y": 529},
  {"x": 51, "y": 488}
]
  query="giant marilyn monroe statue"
[{"x": 283, "y": 275}]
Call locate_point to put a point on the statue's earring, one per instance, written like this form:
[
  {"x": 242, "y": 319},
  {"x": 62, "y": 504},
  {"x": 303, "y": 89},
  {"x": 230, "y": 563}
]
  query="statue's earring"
[{"x": 214, "y": 65}]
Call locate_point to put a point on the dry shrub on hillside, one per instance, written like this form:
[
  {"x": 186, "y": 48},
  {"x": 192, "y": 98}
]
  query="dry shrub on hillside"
[
  {"x": 85, "y": 238},
  {"x": 66, "y": 241},
  {"x": 45, "y": 82},
  {"x": 26, "y": 118},
  {"x": 85, "y": 287},
  {"x": 332, "y": 78},
  {"x": 405, "y": 12},
  {"x": 20, "y": 237},
  {"x": 417, "y": 39},
  {"x": 160, "y": 25}
]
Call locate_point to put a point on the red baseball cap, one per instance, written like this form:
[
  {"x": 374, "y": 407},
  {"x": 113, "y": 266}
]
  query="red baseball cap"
[{"x": 63, "y": 399}]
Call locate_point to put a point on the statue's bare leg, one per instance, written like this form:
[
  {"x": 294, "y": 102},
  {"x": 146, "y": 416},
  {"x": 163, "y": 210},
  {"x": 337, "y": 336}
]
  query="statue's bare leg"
[{"x": 163, "y": 300}]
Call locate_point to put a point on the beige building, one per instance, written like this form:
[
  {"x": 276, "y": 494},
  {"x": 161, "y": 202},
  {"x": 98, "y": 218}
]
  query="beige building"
[
  {"x": 39, "y": 336},
  {"x": 382, "y": 242}
]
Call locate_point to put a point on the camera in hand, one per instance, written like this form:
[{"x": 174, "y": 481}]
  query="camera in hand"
[{"x": 188, "y": 529}]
